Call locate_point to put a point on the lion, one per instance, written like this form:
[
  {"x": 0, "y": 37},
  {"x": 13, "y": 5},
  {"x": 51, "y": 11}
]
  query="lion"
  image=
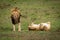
[{"x": 15, "y": 17}]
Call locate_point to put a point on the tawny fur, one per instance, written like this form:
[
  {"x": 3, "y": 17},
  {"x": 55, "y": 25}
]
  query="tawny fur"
[
  {"x": 15, "y": 12},
  {"x": 34, "y": 26},
  {"x": 45, "y": 26},
  {"x": 42, "y": 26}
]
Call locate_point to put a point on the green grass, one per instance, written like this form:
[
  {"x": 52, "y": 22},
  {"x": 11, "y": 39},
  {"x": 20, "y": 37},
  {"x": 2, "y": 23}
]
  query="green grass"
[{"x": 34, "y": 10}]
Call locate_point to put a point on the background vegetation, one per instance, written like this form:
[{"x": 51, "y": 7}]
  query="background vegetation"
[{"x": 36, "y": 11}]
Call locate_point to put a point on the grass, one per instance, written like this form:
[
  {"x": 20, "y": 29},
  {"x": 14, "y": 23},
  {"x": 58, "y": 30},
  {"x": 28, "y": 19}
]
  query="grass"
[{"x": 34, "y": 10}]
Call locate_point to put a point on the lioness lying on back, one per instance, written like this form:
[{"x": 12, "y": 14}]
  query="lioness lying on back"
[{"x": 42, "y": 26}]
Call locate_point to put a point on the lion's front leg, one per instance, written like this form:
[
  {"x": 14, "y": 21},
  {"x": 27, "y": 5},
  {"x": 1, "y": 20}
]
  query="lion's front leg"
[
  {"x": 19, "y": 27},
  {"x": 13, "y": 27}
]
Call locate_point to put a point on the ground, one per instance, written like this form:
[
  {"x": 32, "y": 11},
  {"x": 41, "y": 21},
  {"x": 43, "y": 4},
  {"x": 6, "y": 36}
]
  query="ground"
[{"x": 32, "y": 10}]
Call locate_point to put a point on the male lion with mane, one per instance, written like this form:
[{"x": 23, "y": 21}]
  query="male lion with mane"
[{"x": 15, "y": 17}]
